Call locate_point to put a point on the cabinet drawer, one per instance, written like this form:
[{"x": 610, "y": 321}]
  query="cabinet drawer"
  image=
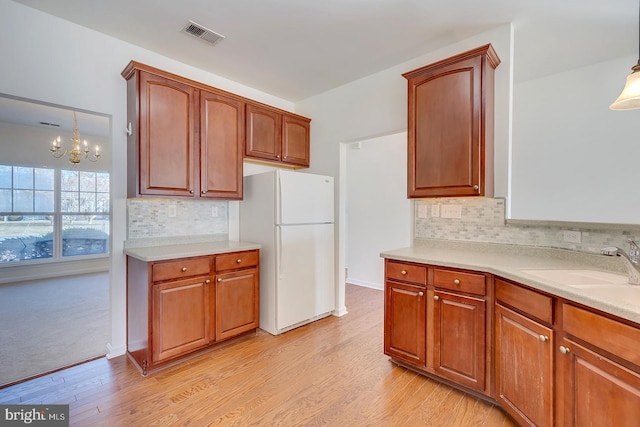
[
  {"x": 236, "y": 260},
  {"x": 186, "y": 267},
  {"x": 407, "y": 272},
  {"x": 530, "y": 302},
  {"x": 460, "y": 281},
  {"x": 610, "y": 335}
]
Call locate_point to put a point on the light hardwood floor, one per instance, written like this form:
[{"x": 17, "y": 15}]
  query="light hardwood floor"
[{"x": 330, "y": 373}]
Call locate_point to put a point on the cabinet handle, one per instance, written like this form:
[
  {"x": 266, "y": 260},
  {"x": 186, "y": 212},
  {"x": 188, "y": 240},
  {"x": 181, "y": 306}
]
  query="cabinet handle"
[
  {"x": 184, "y": 269},
  {"x": 436, "y": 298},
  {"x": 456, "y": 281},
  {"x": 564, "y": 350},
  {"x": 544, "y": 338},
  {"x": 420, "y": 294},
  {"x": 219, "y": 279},
  {"x": 207, "y": 281},
  {"x": 403, "y": 272},
  {"x": 475, "y": 187},
  {"x": 238, "y": 260}
]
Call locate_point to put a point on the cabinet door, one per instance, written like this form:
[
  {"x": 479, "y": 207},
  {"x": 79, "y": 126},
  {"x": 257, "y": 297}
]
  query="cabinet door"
[
  {"x": 221, "y": 145},
  {"x": 167, "y": 144},
  {"x": 237, "y": 303},
  {"x": 524, "y": 368},
  {"x": 595, "y": 391},
  {"x": 459, "y": 339},
  {"x": 405, "y": 322},
  {"x": 180, "y": 317},
  {"x": 295, "y": 140},
  {"x": 263, "y": 133}
]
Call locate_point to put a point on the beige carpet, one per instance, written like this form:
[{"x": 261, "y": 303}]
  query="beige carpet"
[{"x": 52, "y": 323}]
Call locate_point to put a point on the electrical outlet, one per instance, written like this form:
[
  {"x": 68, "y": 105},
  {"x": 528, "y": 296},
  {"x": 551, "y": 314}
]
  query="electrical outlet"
[
  {"x": 451, "y": 211},
  {"x": 435, "y": 211},
  {"x": 214, "y": 211},
  {"x": 422, "y": 211},
  {"x": 572, "y": 236},
  {"x": 172, "y": 211}
]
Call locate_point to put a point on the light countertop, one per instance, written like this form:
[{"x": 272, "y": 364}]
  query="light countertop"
[
  {"x": 184, "y": 250},
  {"x": 512, "y": 262}
]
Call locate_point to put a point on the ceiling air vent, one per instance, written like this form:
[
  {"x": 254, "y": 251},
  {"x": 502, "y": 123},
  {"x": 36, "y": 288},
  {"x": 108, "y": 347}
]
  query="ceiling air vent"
[{"x": 202, "y": 33}]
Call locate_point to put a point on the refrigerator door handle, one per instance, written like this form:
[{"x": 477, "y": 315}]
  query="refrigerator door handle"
[{"x": 279, "y": 251}]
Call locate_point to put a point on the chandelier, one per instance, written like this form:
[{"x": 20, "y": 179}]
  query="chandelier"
[
  {"x": 77, "y": 152},
  {"x": 629, "y": 99}
]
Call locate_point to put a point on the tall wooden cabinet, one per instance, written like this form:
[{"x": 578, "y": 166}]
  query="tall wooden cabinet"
[
  {"x": 276, "y": 136},
  {"x": 178, "y": 306},
  {"x": 450, "y": 126}
]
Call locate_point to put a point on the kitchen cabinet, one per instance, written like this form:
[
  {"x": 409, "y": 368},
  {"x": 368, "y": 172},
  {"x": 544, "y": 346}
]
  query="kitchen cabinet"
[
  {"x": 237, "y": 295},
  {"x": 176, "y": 307},
  {"x": 275, "y": 136},
  {"x": 460, "y": 327},
  {"x": 598, "y": 378},
  {"x": 450, "y": 126},
  {"x": 405, "y": 312},
  {"x": 524, "y": 349},
  {"x": 447, "y": 336}
]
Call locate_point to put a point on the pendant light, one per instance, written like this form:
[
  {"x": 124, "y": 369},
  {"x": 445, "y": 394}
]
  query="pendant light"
[{"x": 629, "y": 99}]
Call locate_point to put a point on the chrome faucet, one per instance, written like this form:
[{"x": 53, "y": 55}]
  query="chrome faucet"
[{"x": 631, "y": 261}]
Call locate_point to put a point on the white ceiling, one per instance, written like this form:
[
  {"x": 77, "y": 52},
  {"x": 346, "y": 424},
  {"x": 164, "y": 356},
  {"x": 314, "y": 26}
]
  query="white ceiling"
[{"x": 295, "y": 49}]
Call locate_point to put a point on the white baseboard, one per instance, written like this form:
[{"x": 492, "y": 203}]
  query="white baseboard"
[
  {"x": 364, "y": 283},
  {"x": 339, "y": 312},
  {"x": 115, "y": 352}
]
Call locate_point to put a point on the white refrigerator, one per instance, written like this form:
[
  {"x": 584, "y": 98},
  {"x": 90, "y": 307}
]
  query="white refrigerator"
[{"x": 290, "y": 214}]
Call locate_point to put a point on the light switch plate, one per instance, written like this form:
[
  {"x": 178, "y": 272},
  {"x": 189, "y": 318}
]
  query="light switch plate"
[
  {"x": 172, "y": 211},
  {"x": 435, "y": 211},
  {"x": 422, "y": 211}
]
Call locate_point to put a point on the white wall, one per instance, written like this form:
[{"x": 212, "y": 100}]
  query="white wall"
[
  {"x": 52, "y": 60},
  {"x": 574, "y": 159},
  {"x": 378, "y": 211},
  {"x": 377, "y": 105}
]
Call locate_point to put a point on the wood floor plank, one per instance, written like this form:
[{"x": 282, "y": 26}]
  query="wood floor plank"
[{"x": 332, "y": 372}]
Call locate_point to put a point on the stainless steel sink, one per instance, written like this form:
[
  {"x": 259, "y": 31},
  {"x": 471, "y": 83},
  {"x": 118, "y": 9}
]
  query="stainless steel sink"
[{"x": 581, "y": 278}]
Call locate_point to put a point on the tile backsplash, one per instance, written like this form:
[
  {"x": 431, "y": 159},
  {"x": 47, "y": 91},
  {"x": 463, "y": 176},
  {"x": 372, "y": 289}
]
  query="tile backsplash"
[
  {"x": 148, "y": 218},
  {"x": 483, "y": 220}
]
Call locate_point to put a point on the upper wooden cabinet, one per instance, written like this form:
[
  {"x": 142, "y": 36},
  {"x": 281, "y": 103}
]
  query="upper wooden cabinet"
[
  {"x": 450, "y": 126},
  {"x": 276, "y": 136}
]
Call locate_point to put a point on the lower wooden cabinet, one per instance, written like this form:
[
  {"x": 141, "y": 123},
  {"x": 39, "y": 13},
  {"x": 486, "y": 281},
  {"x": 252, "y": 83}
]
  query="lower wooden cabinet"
[
  {"x": 176, "y": 307},
  {"x": 547, "y": 361},
  {"x": 405, "y": 322},
  {"x": 459, "y": 330},
  {"x": 180, "y": 317},
  {"x": 524, "y": 367}
]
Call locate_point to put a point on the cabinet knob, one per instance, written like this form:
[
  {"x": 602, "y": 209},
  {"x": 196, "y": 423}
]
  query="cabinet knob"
[
  {"x": 475, "y": 187},
  {"x": 219, "y": 279},
  {"x": 204, "y": 191},
  {"x": 277, "y": 156},
  {"x": 456, "y": 281},
  {"x": 191, "y": 191},
  {"x": 184, "y": 269},
  {"x": 564, "y": 350},
  {"x": 238, "y": 260},
  {"x": 420, "y": 294},
  {"x": 403, "y": 272},
  {"x": 207, "y": 281},
  {"x": 284, "y": 157},
  {"x": 436, "y": 298},
  {"x": 544, "y": 338}
]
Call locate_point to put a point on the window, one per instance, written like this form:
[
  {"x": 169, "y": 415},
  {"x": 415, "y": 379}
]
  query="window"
[{"x": 52, "y": 213}]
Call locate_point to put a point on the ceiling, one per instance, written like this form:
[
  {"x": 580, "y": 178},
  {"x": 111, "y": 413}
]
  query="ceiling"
[{"x": 295, "y": 49}]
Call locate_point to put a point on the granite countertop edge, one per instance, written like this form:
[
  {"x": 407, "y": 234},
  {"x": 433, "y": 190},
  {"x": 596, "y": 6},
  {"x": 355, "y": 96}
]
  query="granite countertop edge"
[
  {"x": 512, "y": 261},
  {"x": 185, "y": 250}
]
